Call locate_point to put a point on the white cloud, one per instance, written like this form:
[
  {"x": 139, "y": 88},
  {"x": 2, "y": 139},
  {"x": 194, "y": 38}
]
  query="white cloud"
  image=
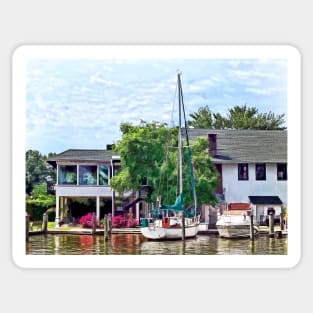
[{"x": 82, "y": 105}]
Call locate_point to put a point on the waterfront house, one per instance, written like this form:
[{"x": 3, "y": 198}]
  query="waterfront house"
[
  {"x": 85, "y": 175},
  {"x": 252, "y": 165}
]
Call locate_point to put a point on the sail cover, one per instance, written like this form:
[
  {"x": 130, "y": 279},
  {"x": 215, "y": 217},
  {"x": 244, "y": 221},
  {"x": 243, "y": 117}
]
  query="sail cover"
[{"x": 178, "y": 206}]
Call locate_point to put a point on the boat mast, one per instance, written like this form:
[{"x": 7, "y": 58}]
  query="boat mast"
[
  {"x": 180, "y": 161},
  {"x": 180, "y": 151}
]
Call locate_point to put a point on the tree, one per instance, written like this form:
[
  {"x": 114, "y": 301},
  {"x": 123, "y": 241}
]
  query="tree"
[
  {"x": 38, "y": 171},
  {"x": 238, "y": 117},
  {"x": 149, "y": 153},
  {"x": 202, "y": 118}
]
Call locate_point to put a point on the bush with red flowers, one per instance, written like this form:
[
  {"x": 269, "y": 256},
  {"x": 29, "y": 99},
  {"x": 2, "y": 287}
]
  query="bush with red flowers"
[
  {"x": 86, "y": 220},
  {"x": 121, "y": 221}
]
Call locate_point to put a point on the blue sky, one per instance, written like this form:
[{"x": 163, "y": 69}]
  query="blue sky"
[{"x": 80, "y": 103}]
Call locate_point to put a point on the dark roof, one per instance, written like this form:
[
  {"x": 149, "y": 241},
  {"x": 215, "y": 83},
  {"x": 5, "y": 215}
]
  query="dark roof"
[
  {"x": 235, "y": 146},
  {"x": 82, "y": 155},
  {"x": 265, "y": 200}
]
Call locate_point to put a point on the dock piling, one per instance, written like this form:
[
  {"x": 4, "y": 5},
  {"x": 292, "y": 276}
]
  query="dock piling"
[
  {"x": 271, "y": 213},
  {"x": 251, "y": 228},
  {"x": 27, "y": 226},
  {"x": 45, "y": 223},
  {"x": 94, "y": 223}
]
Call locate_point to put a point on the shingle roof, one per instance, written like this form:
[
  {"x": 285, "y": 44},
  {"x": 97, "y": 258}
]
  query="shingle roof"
[
  {"x": 237, "y": 146},
  {"x": 85, "y": 155},
  {"x": 265, "y": 200}
]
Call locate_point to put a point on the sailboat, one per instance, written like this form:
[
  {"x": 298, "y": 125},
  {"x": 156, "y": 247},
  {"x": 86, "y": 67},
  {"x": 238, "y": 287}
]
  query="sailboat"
[{"x": 173, "y": 221}]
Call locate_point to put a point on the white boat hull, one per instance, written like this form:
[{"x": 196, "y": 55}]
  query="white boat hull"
[
  {"x": 234, "y": 226},
  {"x": 233, "y": 231},
  {"x": 156, "y": 231}
]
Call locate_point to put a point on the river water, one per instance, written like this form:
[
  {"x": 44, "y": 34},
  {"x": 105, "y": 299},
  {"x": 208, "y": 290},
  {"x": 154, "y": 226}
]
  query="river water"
[{"x": 136, "y": 244}]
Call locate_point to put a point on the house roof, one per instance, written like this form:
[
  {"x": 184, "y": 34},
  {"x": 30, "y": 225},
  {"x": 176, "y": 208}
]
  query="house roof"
[
  {"x": 237, "y": 146},
  {"x": 265, "y": 200},
  {"x": 82, "y": 155}
]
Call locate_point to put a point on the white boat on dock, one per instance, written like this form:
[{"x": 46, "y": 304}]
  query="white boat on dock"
[{"x": 235, "y": 224}]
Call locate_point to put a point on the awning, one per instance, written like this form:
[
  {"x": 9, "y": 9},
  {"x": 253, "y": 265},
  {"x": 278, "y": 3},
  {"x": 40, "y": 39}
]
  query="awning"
[{"x": 265, "y": 200}]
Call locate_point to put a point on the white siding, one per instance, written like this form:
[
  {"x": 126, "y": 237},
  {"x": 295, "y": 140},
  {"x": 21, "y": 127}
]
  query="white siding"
[
  {"x": 238, "y": 190},
  {"x": 83, "y": 191}
]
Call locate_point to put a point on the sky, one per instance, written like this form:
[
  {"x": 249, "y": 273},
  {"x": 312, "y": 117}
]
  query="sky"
[{"x": 80, "y": 103}]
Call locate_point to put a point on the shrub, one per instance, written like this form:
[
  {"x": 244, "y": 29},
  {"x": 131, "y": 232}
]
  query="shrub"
[
  {"x": 118, "y": 221},
  {"x": 37, "y": 207},
  {"x": 86, "y": 220},
  {"x": 131, "y": 222}
]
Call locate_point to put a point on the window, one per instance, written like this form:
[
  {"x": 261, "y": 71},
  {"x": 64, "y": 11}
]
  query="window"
[
  {"x": 87, "y": 175},
  {"x": 67, "y": 175},
  {"x": 243, "y": 171},
  {"x": 103, "y": 175},
  {"x": 281, "y": 171},
  {"x": 260, "y": 171}
]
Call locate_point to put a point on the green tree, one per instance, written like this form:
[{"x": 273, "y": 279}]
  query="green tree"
[
  {"x": 238, "y": 117},
  {"x": 149, "y": 153},
  {"x": 203, "y": 118},
  {"x": 38, "y": 170}
]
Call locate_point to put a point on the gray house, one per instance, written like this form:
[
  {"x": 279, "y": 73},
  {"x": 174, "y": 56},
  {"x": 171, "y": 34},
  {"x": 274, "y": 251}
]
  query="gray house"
[{"x": 84, "y": 174}]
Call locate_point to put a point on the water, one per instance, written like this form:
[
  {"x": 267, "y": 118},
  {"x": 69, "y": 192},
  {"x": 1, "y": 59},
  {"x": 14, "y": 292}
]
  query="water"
[{"x": 136, "y": 244}]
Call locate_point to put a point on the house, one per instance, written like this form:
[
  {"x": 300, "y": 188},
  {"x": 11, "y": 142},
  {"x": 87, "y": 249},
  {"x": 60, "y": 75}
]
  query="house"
[
  {"x": 85, "y": 175},
  {"x": 252, "y": 165}
]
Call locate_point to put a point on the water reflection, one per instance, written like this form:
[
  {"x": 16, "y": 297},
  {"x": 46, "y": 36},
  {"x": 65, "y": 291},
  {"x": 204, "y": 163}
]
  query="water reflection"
[{"x": 131, "y": 244}]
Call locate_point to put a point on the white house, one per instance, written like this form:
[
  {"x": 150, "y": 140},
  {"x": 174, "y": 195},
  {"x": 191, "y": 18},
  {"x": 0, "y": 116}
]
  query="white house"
[{"x": 252, "y": 165}]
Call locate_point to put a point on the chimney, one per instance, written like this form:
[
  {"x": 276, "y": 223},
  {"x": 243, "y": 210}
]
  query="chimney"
[
  {"x": 212, "y": 145},
  {"x": 109, "y": 147}
]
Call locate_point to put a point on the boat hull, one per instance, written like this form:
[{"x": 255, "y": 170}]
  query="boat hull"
[
  {"x": 233, "y": 231},
  {"x": 156, "y": 233}
]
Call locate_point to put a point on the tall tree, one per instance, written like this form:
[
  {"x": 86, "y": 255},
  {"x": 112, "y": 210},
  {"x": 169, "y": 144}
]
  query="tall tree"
[
  {"x": 148, "y": 153},
  {"x": 238, "y": 117},
  {"x": 202, "y": 118},
  {"x": 38, "y": 171}
]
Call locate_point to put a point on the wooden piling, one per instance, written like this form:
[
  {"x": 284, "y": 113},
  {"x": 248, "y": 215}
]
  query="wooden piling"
[
  {"x": 281, "y": 221},
  {"x": 109, "y": 225},
  {"x": 183, "y": 227},
  {"x": 271, "y": 226},
  {"x": 251, "y": 228},
  {"x": 94, "y": 223},
  {"x": 45, "y": 223},
  {"x": 106, "y": 228},
  {"x": 27, "y": 226}
]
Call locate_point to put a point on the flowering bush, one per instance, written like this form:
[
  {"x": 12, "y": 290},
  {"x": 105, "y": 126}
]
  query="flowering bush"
[
  {"x": 86, "y": 220},
  {"x": 131, "y": 222},
  {"x": 118, "y": 221},
  {"x": 121, "y": 221}
]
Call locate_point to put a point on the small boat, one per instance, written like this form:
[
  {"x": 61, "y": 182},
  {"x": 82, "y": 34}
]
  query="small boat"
[
  {"x": 235, "y": 223},
  {"x": 174, "y": 221}
]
